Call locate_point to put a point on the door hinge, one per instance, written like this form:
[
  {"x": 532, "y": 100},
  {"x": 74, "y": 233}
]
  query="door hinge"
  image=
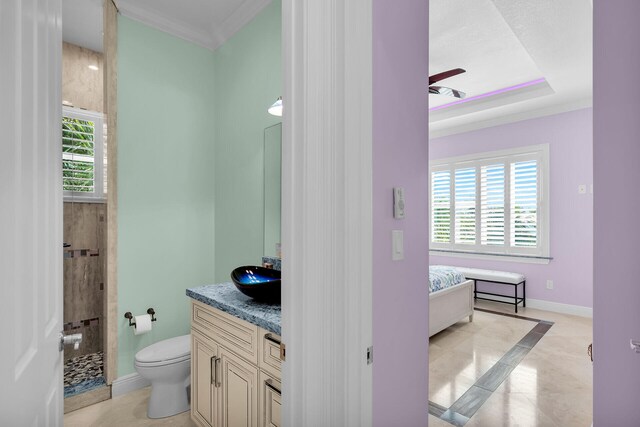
[
  {"x": 369, "y": 355},
  {"x": 283, "y": 351}
]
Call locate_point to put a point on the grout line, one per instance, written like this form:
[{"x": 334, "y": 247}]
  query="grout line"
[
  {"x": 515, "y": 316},
  {"x": 484, "y": 387}
]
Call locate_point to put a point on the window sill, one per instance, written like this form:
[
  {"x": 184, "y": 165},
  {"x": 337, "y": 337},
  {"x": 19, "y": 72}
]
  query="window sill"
[
  {"x": 524, "y": 259},
  {"x": 80, "y": 199}
]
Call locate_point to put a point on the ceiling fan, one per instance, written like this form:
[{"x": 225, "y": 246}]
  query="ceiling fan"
[{"x": 441, "y": 90}]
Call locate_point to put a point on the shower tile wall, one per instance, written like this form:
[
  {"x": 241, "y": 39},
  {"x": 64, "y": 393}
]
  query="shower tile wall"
[
  {"x": 84, "y": 229},
  {"x": 82, "y": 86}
]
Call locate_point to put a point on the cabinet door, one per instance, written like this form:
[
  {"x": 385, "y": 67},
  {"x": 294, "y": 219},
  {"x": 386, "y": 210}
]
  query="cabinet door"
[
  {"x": 239, "y": 389},
  {"x": 269, "y": 401},
  {"x": 204, "y": 399}
]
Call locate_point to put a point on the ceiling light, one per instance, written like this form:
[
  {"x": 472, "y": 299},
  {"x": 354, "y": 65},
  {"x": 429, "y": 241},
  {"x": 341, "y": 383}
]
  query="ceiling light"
[
  {"x": 276, "y": 108},
  {"x": 93, "y": 67}
]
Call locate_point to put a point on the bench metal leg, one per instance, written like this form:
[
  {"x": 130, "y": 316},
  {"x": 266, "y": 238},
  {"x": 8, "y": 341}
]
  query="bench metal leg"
[{"x": 516, "y": 299}]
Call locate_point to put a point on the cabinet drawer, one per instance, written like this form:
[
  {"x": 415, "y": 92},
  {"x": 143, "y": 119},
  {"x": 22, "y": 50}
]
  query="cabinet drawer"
[
  {"x": 269, "y": 360},
  {"x": 235, "y": 334},
  {"x": 269, "y": 401}
]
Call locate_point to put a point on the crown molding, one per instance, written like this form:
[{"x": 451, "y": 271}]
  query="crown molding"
[
  {"x": 504, "y": 119},
  {"x": 159, "y": 22},
  {"x": 248, "y": 10},
  {"x": 212, "y": 39}
]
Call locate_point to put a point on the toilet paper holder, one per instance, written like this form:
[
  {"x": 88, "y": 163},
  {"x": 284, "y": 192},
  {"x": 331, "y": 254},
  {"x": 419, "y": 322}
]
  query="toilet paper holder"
[{"x": 150, "y": 311}]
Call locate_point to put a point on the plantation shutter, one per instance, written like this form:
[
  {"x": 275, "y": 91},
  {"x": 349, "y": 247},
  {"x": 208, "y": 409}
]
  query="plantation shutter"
[
  {"x": 78, "y": 151},
  {"x": 524, "y": 203},
  {"x": 441, "y": 206},
  {"x": 465, "y": 206},
  {"x": 82, "y": 154},
  {"x": 492, "y": 215}
]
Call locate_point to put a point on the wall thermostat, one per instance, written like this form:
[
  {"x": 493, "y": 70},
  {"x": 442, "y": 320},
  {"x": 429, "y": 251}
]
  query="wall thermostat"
[{"x": 398, "y": 203}]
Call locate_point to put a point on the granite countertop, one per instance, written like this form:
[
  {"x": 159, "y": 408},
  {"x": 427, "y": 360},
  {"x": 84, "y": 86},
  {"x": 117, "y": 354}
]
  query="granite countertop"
[{"x": 226, "y": 297}]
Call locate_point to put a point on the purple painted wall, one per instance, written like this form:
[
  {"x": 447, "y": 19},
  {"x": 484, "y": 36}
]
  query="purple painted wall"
[
  {"x": 570, "y": 139},
  {"x": 400, "y": 134},
  {"x": 616, "y": 206}
]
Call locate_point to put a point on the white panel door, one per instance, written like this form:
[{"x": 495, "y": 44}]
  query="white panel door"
[{"x": 30, "y": 213}]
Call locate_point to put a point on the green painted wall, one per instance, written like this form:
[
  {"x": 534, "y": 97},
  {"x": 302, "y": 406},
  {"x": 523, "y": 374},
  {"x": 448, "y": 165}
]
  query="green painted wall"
[
  {"x": 190, "y": 166},
  {"x": 248, "y": 80},
  {"x": 165, "y": 181}
]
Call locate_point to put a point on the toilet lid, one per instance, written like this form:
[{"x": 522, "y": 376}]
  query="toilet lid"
[{"x": 166, "y": 350}]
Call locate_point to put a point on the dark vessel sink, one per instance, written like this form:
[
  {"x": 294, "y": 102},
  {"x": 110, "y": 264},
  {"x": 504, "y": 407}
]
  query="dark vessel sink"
[{"x": 259, "y": 283}]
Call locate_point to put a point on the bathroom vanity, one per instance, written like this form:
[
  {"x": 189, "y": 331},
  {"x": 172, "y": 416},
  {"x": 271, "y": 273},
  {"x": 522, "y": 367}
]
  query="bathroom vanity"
[{"x": 235, "y": 358}]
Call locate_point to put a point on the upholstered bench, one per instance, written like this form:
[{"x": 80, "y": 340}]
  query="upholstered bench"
[{"x": 501, "y": 277}]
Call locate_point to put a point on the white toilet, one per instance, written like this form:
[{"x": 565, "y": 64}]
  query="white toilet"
[{"x": 167, "y": 365}]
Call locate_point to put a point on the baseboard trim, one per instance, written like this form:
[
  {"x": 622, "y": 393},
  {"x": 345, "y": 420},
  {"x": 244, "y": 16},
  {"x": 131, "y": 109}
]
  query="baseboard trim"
[
  {"x": 556, "y": 307},
  {"x": 128, "y": 383}
]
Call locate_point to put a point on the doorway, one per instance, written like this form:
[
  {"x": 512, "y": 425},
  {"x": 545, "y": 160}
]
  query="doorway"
[
  {"x": 516, "y": 102},
  {"x": 85, "y": 172}
]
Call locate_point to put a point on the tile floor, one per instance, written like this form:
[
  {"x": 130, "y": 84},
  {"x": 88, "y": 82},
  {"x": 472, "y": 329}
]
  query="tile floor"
[
  {"x": 551, "y": 386},
  {"x": 129, "y": 410}
]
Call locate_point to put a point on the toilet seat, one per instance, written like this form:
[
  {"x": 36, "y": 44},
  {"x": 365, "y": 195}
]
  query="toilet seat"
[
  {"x": 166, "y": 352},
  {"x": 162, "y": 362}
]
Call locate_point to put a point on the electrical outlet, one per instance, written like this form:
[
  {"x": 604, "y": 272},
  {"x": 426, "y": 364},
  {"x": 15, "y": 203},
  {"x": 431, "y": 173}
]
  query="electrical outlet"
[{"x": 549, "y": 284}]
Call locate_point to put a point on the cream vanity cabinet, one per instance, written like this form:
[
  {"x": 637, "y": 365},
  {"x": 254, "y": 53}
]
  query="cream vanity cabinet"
[{"x": 235, "y": 371}]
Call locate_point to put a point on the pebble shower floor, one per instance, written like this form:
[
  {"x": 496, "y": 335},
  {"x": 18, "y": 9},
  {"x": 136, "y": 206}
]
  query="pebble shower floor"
[{"x": 83, "y": 373}]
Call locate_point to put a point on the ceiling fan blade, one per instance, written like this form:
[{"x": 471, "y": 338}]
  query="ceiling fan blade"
[
  {"x": 441, "y": 90},
  {"x": 445, "y": 75}
]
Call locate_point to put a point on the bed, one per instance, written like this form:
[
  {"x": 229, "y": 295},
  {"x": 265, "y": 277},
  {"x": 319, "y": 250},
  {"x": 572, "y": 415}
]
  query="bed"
[{"x": 450, "y": 298}]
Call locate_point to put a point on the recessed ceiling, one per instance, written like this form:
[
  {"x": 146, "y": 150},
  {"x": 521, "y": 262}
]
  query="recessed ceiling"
[
  {"x": 544, "y": 45},
  {"x": 82, "y": 23},
  {"x": 207, "y": 23}
]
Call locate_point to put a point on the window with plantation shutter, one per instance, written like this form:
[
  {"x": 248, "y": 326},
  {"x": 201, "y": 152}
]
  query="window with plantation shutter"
[
  {"x": 491, "y": 203},
  {"x": 83, "y": 163}
]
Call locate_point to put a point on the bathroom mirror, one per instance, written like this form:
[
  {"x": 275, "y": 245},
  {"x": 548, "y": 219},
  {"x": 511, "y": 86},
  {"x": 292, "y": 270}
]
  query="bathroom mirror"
[{"x": 272, "y": 181}]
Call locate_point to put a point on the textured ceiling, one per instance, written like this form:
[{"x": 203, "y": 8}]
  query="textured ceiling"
[
  {"x": 474, "y": 36},
  {"x": 504, "y": 43}
]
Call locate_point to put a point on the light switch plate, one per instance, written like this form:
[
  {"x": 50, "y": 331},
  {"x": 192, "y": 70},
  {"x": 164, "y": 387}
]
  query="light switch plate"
[
  {"x": 397, "y": 245},
  {"x": 398, "y": 203}
]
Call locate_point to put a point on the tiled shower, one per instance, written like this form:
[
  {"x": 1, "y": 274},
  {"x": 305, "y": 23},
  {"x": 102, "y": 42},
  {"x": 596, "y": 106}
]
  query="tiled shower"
[{"x": 84, "y": 266}]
